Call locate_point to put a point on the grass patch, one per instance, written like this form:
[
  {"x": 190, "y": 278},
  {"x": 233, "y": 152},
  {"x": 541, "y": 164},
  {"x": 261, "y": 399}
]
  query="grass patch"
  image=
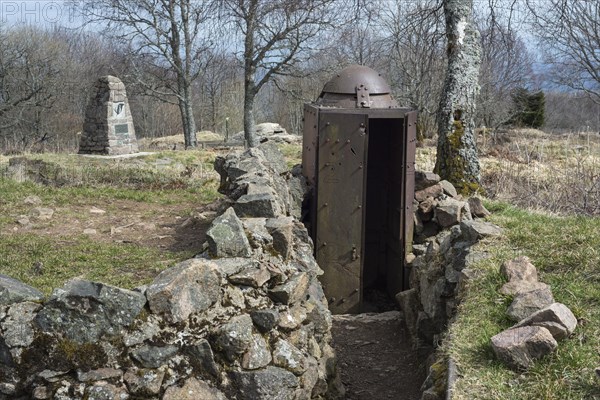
[
  {"x": 566, "y": 251},
  {"x": 119, "y": 264},
  {"x": 292, "y": 153}
]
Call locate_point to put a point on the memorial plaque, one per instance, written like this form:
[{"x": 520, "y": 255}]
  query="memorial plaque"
[{"x": 121, "y": 128}]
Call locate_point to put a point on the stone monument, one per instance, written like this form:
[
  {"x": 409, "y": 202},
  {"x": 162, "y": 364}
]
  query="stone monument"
[{"x": 108, "y": 127}]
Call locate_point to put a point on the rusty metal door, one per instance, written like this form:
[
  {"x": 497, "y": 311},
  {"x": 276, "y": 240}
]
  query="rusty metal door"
[{"x": 339, "y": 236}]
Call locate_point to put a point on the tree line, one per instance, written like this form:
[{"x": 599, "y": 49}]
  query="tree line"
[{"x": 225, "y": 64}]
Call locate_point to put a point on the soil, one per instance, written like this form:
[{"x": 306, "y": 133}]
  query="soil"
[
  {"x": 166, "y": 227},
  {"x": 376, "y": 358}
]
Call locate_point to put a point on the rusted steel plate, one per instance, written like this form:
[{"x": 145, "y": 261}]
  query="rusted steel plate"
[
  {"x": 309, "y": 144},
  {"x": 339, "y": 209},
  {"x": 410, "y": 138}
]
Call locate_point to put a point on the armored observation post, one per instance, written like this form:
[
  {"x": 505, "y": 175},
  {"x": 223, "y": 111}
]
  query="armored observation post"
[{"x": 358, "y": 157}]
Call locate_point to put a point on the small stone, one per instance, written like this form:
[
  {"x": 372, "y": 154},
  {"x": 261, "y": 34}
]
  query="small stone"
[
  {"x": 513, "y": 288},
  {"x": 42, "y": 213},
  {"x": 291, "y": 291},
  {"x": 144, "y": 382},
  {"x": 51, "y": 376},
  {"x": 8, "y": 388},
  {"x": 14, "y": 291},
  {"x": 90, "y": 231},
  {"x": 257, "y": 231},
  {"x": 189, "y": 287},
  {"x": 95, "y": 210},
  {"x": 408, "y": 301},
  {"x": 234, "y": 337},
  {"x": 233, "y": 265},
  {"x": 258, "y": 205},
  {"x": 432, "y": 191},
  {"x": 519, "y": 268},
  {"x": 233, "y": 296},
  {"x": 17, "y": 327},
  {"x": 525, "y": 304},
  {"x": 478, "y": 210},
  {"x": 23, "y": 220},
  {"x": 448, "y": 212},
  {"x": 475, "y": 230},
  {"x": 41, "y": 393},
  {"x": 520, "y": 347},
  {"x": 193, "y": 389},
  {"x": 265, "y": 320},
  {"x": 424, "y": 180},
  {"x": 449, "y": 188},
  {"x": 253, "y": 276},
  {"x": 32, "y": 200},
  {"x": 258, "y": 354},
  {"x": 292, "y": 318},
  {"x": 287, "y": 356},
  {"x": 105, "y": 391},
  {"x": 557, "y": 318},
  {"x": 280, "y": 230},
  {"x": 202, "y": 358},
  {"x": 226, "y": 237},
  {"x": 154, "y": 356},
  {"x": 99, "y": 375},
  {"x": 268, "y": 383},
  {"x": 426, "y": 209}
]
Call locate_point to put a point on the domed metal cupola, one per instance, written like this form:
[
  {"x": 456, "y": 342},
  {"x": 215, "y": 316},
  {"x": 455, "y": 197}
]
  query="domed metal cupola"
[{"x": 357, "y": 86}]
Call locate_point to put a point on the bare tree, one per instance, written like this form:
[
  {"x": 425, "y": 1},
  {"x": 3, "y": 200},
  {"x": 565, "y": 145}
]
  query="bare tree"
[
  {"x": 416, "y": 53},
  {"x": 169, "y": 35},
  {"x": 277, "y": 35},
  {"x": 506, "y": 65},
  {"x": 457, "y": 160},
  {"x": 569, "y": 32},
  {"x": 29, "y": 76}
]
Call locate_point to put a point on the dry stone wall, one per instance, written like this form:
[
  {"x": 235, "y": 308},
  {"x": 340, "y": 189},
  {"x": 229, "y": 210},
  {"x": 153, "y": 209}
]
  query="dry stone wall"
[
  {"x": 246, "y": 319},
  {"x": 446, "y": 228}
]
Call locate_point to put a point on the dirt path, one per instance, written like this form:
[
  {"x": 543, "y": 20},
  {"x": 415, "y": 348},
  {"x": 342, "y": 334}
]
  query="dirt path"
[{"x": 376, "y": 358}]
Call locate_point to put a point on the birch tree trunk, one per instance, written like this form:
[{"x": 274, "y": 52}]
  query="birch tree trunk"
[{"x": 457, "y": 159}]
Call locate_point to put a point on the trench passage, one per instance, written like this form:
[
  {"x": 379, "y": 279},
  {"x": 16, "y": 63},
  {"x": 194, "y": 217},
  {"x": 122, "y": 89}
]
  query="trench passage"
[
  {"x": 376, "y": 358},
  {"x": 383, "y": 254}
]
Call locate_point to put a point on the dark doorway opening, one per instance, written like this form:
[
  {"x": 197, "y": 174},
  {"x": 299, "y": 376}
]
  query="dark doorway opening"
[{"x": 383, "y": 253}]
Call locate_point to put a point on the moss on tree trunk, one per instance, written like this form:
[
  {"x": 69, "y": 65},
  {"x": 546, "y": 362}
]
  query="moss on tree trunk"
[{"x": 457, "y": 160}]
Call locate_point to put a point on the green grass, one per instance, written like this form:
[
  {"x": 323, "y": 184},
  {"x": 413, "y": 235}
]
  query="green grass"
[
  {"x": 119, "y": 264},
  {"x": 181, "y": 180},
  {"x": 292, "y": 153},
  {"x": 566, "y": 251}
]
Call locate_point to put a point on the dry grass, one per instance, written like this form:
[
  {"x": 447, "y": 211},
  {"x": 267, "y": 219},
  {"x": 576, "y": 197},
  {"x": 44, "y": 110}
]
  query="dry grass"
[
  {"x": 537, "y": 171},
  {"x": 177, "y": 141},
  {"x": 534, "y": 170}
]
